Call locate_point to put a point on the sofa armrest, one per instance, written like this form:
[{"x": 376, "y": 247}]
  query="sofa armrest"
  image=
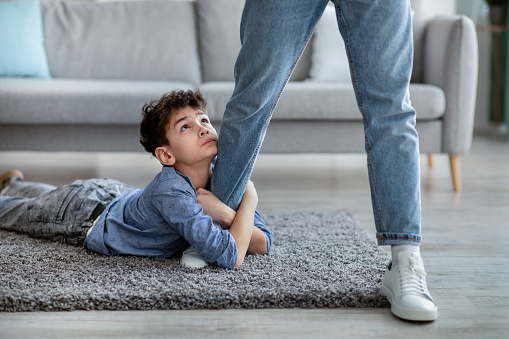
[{"x": 451, "y": 63}]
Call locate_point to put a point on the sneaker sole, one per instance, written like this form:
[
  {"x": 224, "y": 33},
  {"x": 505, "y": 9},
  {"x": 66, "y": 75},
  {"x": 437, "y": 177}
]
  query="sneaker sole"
[
  {"x": 407, "y": 314},
  {"x": 193, "y": 266},
  {"x": 193, "y": 263}
]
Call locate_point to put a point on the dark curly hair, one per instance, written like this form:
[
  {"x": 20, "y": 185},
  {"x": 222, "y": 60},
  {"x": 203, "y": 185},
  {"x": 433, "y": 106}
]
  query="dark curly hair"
[{"x": 157, "y": 113}]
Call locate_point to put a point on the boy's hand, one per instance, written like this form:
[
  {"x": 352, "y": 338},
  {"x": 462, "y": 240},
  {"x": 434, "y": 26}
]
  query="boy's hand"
[{"x": 214, "y": 208}]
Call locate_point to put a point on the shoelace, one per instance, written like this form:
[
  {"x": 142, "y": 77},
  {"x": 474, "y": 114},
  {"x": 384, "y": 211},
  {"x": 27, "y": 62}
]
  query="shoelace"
[{"x": 413, "y": 279}]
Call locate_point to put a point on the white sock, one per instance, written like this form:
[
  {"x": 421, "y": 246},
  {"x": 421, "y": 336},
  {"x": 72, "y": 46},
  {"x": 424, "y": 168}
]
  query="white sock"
[{"x": 395, "y": 249}]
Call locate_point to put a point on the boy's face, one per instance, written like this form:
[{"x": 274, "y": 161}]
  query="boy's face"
[{"x": 192, "y": 139}]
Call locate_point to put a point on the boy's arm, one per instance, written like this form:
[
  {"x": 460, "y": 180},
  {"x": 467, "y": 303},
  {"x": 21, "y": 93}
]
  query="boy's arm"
[
  {"x": 225, "y": 216},
  {"x": 213, "y": 207},
  {"x": 242, "y": 226}
]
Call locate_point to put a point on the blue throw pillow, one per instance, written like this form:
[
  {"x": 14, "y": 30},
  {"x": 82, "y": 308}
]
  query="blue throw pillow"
[{"x": 22, "y": 51}]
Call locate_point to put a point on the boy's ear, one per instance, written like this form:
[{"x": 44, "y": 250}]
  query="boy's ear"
[{"x": 164, "y": 155}]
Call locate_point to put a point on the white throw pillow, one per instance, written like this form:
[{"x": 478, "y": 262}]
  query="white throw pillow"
[{"x": 329, "y": 61}]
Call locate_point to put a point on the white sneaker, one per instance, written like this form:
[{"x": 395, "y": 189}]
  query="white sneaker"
[
  {"x": 192, "y": 259},
  {"x": 405, "y": 287}
]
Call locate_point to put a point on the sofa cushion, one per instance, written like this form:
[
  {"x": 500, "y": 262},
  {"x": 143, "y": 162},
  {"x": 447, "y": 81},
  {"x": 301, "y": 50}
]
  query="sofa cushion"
[
  {"x": 219, "y": 35},
  {"x": 138, "y": 40},
  {"x": 22, "y": 50},
  {"x": 73, "y": 101},
  {"x": 311, "y": 100}
]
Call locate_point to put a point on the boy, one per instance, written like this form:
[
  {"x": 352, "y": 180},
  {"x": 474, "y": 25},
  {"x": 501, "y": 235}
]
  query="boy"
[{"x": 174, "y": 211}]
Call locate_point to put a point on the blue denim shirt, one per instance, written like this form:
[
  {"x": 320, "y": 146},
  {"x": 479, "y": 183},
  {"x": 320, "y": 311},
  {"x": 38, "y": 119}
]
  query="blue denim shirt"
[{"x": 162, "y": 219}]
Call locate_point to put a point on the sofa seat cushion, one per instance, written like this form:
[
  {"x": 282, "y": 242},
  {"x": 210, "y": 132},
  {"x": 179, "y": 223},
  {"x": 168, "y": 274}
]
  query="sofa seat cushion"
[
  {"x": 137, "y": 40},
  {"x": 311, "y": 100},
  {"x": 72, "y": 101}
]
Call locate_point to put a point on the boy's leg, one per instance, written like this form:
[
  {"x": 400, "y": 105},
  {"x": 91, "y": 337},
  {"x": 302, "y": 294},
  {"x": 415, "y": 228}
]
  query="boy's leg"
[
  {"x": 15, "y": 194},
  {"x": 273, "y": 35},
  {"x": 378, "y": 38},
  {"x": 27, "y": 189},
  {"x": 40, "y": 216},
  {"x": 61, "y": 214}
]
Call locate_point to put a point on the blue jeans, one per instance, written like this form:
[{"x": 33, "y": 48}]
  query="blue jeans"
[
  {"x": 378, "y": 39},
  {"x": 61, "y": 214}
]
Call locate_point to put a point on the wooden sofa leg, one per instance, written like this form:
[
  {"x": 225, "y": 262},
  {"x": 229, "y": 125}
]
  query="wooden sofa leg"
[
  {"x": 431, "y": 161},
  {"x": 455, "y": 171}
]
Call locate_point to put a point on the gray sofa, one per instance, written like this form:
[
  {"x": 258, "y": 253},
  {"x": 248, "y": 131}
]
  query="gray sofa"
[{"x": 107, "y": 59}]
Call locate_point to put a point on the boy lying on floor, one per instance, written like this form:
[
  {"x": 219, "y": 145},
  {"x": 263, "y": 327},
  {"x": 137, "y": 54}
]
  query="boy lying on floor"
[{"x": 175, "y": 212}]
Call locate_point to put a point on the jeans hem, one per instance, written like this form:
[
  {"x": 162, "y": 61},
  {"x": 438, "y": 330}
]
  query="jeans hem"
[{"x": 398, "y": 239}]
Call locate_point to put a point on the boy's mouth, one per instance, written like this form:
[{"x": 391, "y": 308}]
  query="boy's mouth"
[{"x": 208, "y": 141}]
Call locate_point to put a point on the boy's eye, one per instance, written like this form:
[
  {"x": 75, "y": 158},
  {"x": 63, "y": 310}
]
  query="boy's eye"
[
  {"x": 205, "y": 121},
  {"x": 184, "y": 127}
]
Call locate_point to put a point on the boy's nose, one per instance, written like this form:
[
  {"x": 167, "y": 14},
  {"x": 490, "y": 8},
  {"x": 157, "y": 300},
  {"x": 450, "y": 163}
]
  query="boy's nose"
[{"x": 203, "y": 132}]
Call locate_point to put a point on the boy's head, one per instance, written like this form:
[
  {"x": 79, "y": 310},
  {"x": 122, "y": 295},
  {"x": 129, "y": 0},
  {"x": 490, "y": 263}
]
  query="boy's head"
[
  {"x": 156, "y": 116},
  {"x": 176, "y": 125}
]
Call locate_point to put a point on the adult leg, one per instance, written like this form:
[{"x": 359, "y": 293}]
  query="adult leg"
[
  {"x": 273, "y": 36},
  {"x": 378, "y": 37}
]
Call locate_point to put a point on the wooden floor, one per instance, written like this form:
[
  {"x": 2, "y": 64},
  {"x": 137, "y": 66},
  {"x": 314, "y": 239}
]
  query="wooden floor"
[{"x": 465, "y": 248}]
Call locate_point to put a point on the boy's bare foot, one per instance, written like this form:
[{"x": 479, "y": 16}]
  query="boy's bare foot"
[{"x": 9, "y": 177}]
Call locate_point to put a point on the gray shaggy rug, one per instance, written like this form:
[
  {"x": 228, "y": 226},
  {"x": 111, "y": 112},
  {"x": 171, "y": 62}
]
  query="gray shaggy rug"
[{"x": 318, "y": 261}]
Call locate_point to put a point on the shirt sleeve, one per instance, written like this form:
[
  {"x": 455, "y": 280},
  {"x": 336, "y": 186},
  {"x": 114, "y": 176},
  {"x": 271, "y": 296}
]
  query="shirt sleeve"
[
  {"x": 185, "y": 216},
  {"x": 269, "y": 235}
]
